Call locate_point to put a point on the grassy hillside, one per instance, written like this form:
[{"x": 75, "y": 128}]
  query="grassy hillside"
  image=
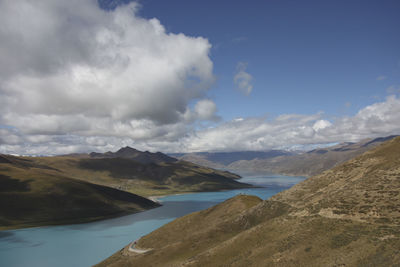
[
  {"x": 145, "y": 179},
  {"x": 346, "y": 216},
  {"x": 31, "y": 195},
  {"x": 68, "y": 189}
]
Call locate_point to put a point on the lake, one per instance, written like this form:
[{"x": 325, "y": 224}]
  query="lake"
[{"x": 89, "y": 243}]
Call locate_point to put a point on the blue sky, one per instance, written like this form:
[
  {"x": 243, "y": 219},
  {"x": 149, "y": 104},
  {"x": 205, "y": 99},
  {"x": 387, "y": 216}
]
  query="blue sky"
[
  {"x": 304, "y": 56},
  {"x": 187, "y": 76}
]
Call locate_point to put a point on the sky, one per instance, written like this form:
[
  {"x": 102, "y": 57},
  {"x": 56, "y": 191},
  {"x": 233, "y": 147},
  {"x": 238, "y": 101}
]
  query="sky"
[{"x": 188, "y": 76}]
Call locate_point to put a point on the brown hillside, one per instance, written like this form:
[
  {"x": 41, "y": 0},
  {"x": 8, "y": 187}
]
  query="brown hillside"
[
  {"x": 66, "y": 189},
  {"x": 347, "y": 216},
  {"x": 145, "y": 179},
  {"x": 33, "y": 196}
]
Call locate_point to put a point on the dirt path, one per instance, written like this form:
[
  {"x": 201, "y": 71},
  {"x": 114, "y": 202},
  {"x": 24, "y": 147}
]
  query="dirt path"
[{"x": 136, "y": 250}]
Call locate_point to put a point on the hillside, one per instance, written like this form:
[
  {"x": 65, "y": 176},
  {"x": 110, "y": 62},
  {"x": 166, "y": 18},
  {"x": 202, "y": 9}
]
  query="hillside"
[
  {"x": 77, "y": 188},
  {"x": 30, "y": 195},
  {"x": 145, "y": 179},
  {"x": 346, "y": 216},
  {"x": 130, "y": 170}
]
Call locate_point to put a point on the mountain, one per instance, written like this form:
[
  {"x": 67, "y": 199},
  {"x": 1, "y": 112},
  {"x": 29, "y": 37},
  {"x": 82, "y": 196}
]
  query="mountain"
[
  {"x": 345, "y": 216},
  {"x": 142, "y": 173},
  {"x": 82, "y": 187},
  {"x": 310, "y": 163},
  {"x": 150, "y": 178},
  {"x": 32, "y": 195},
  {"x": 222, "y": 160},
  {"x": 139, "y": 156},
  {"x": 284, "y": 162}
]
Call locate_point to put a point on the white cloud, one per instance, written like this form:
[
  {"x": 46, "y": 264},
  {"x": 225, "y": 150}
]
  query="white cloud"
[
  {"x": 289, "y": 130},
  {"x": 206, "y": 110},
  {"x": 381, "y": 78},
  {"x": 87, "y": 71},
  {"x": 84, "y": 79},
  {"x": 9, "y": 137},
  {"x": 321, "y": 124},
  {"x": 259, "y": 133},
  {"x": 242, "y": 79}
]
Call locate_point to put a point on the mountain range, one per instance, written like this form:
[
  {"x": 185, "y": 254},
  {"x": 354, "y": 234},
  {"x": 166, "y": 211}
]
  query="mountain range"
[
  {"x": 285, "y": 162},
  {"x": 222, "y": 160},
  {"x": 136, "y": 155},
  {"x": 76, "y": 188}
]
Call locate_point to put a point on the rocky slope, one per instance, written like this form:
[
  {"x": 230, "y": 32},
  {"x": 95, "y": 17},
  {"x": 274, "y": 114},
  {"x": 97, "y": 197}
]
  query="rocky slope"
[{"x": 346, "y": 216}]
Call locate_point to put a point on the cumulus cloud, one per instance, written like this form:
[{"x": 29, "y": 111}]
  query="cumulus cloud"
[
  {"x": 88, "y": 71},
  {"x": 85, "y": 79},
  {"x": 286, "y": 131},
  {"x": 292, "y": 130},
  {"x": 60, "y": 144},
  {"x": 9, "y": 136},
  {"x": 206, "y": 110},
  {"x": 242, "y": 79},
  {"x": 321, "y": 124}
]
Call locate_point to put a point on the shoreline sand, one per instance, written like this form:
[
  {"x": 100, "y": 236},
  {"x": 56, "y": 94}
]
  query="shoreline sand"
[{"x": 157, "y": 198}]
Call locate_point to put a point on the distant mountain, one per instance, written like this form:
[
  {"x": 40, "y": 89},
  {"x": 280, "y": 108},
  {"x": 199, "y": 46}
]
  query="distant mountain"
[
  {"x": 284, "y": 162},
  {"x": 139, "y": 156},
  {"x": 33, "y": 194},
  {"x": 224, "y": 159},
  {"x": 346, "y": 216},
  {"x": 309, "y": 163}
]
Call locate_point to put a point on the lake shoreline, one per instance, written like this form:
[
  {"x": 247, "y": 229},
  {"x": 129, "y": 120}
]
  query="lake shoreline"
[
  {"x": 154, "y": 198},
  {"x": 72, "y": 221},
  {"x": 91, "y": 240}
]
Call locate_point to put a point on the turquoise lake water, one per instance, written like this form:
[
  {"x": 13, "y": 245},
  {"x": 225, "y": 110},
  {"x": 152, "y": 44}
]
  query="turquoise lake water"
[{"x": 87, "y": 244}]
